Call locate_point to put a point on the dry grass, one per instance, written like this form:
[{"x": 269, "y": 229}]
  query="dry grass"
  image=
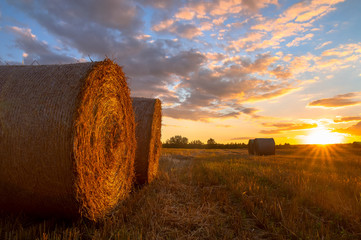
[
  {"x": 307, "y": 193},
  {"x": 303, "y": 193}
]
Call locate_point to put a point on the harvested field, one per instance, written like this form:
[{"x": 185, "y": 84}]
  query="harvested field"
[{"x": 307, "y": 192}]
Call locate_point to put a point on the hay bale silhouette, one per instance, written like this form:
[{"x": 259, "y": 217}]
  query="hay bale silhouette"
[
  {"x": 148, "y": 121},
  {"x": 251, "y": 146},
  {"x": 67, "y": 139},
  {"x": 264, "y": 146}
]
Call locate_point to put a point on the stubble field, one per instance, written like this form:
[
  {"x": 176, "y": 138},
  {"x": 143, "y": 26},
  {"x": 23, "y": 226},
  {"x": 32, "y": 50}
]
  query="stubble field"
[{"x": 303, "y": 192}]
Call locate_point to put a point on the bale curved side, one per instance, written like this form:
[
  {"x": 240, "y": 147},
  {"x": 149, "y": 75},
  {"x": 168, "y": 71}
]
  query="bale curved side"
[
  {"x": 251, "y": 146},
  {"x": 66, "y": 135},
  {"x": 148, "y": 119},
  {"x": 264, "y": 146}
]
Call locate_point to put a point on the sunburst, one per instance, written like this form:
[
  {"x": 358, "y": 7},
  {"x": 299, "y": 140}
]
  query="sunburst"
[{"x": 321, "y": 135}]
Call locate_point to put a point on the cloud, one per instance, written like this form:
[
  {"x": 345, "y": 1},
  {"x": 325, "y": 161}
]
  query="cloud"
[
  {"x": 162, "y": 4},
  {"x": 241, "y": 138},
  {"x": 224, "y": 126},
  {"x": 353, "y": 130},
  {"x": 193, "y": 84},
  {"x": 216, "y": 12},
  {"x": 338, "y": 101},
  {"x": 184, "y": 30},
  {"x": 273, "y": 94},
  {"x": 281, "y": 72},
  {"x": 298, "y": 40},
  {"x": 246, "y": 42},
  {"x": 221, "y": 91},
  {"x": 236, "y": 81},
  {"x": 323, "y": 45},
  {"x": 295, "y": 20},
  {"x": 91, "y": 27},
  {"x": 347, "y": 119},
  {"x": 185, "y": 14},
  {"x": 105, "y": 13},
  {"x": 286, "y": 126},
  {"x": 202, "y": 114},
  {"x": 151, "y": 80},
  {"x": 195, "y": 114},
  {"x": 203, "y": 9},
  {"x": 35, "y": 49},
  {"x": 341, "y": 57}
]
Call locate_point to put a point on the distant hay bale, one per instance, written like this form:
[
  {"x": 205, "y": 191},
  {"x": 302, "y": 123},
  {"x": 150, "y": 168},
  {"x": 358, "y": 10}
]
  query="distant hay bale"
[
  {"x": 251, "y": 146},
  {"x": 67, "y": 139},
  {"x": 148, "y": 122},
  {"x": 264, "y": 146}
]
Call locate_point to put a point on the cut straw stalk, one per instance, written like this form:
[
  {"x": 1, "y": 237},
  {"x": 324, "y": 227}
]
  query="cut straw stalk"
[{"x": 67, "y": 139}]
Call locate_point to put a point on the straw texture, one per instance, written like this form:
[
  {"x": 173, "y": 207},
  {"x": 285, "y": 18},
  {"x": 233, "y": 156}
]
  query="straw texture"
[
  {"x": 67, "y": 139},
  {"x": 148, "y": 119},
  {"x": 264, "y": 146}
]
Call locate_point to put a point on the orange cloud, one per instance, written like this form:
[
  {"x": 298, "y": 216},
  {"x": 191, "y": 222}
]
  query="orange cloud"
[
  {"x": 201, "y": 114},
  {"x": 297, "y": 19},
  {"x": 241, "y": 138},
  {"x": 340, "y": 57},
  {"x": 298, "y": 40},
  {"x": 184, "y": 30},
  {"x": 323, "y": 45},
  {"x": 245, "y": 42},
  {"x": 272, "y": 95},
  {"x": 353, "y": 130},
  {"x": 347, "y": 119},
  {"x": 280, "y": 72},
  {"x": 282, "y": 127},
  {"x": 185, "y": 14},
  {"x": 164, "y": 25},
  {"x": 343, "y": 100},
  {"x": 226, "y": 7}
]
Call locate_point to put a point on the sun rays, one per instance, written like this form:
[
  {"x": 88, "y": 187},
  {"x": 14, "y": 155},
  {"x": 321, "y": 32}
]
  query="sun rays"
[{"x": 321, "y": 135}]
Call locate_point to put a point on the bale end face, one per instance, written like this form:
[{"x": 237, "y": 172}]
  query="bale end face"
[{"x": 104, "y": 141}]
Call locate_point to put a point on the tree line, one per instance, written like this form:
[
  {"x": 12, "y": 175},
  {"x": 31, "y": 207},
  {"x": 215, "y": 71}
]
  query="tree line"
[{"x": 182, "y": 142}]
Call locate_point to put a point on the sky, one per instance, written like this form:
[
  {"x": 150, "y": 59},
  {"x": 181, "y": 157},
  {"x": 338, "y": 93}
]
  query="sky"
[{"x": 230, "y": 70}]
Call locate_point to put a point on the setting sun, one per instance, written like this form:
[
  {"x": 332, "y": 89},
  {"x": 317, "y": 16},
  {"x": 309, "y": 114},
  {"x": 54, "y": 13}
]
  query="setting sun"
[{"x": 321, "y": 135}]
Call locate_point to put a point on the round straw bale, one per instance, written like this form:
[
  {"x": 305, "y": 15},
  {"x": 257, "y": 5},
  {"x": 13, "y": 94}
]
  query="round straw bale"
[
  {"x": 264, "y": 146},
  {"x": 148, "y": 121},
  {"x": 67, "y": 139},
  {"x": 251, "y": 146}
]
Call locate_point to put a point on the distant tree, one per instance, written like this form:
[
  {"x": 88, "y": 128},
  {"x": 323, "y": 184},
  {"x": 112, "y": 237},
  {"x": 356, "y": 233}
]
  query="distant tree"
[
  {"x": 177, "y": 140},
  {"x": 211, "y": 141},
  {"x": 196, "y": 142}
]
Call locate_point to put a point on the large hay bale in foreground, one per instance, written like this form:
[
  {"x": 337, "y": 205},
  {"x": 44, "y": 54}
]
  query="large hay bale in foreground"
[
  {"x": 148, "y": 121},
  {"x": 67, "y": 139},
  {"x": 251, "y": 146},
  {"x": 264, "y": 146}
]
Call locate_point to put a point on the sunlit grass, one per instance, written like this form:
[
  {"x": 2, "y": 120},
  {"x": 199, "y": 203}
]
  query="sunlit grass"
[{"x": 313, "y": 193}]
